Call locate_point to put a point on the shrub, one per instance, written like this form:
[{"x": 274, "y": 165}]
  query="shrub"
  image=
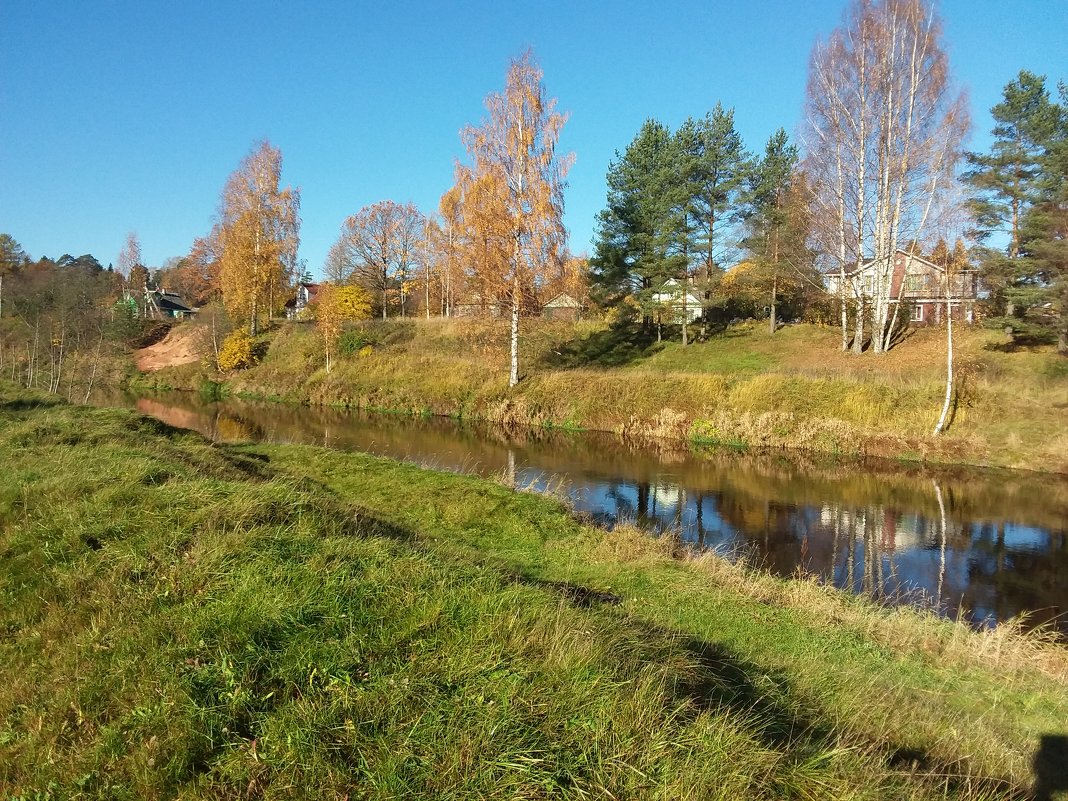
[
  {"x": 356, "y": 340},
  {"x": 237, "y": 351}
]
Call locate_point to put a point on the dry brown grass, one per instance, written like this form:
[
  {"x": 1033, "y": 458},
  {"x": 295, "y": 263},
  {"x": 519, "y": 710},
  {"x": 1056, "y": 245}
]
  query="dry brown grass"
[{"x": 795, "y": 389}]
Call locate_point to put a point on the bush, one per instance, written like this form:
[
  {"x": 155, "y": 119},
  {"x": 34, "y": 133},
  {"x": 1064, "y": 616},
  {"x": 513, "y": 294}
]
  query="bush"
[
  {"x": 237, "y": 351},
  {"x": 355, "y": 340}
]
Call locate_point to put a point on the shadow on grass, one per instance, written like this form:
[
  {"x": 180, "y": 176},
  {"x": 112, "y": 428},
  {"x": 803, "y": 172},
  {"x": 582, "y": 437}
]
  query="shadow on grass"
[
  {"x": 1051, "y": 767},
  {"x": 614, "y": 347},
  {"x": 29, "y": 404},
  {"x": 725, "y": 683}
]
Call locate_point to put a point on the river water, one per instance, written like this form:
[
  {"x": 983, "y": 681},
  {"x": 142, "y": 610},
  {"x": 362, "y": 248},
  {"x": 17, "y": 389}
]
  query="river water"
[{"x": 982, "y": 546}]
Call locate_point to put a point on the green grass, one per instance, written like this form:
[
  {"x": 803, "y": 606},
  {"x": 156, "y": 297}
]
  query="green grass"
[
  {"x": 186, "y": 620},
  {"x": 793, "y": 389}
]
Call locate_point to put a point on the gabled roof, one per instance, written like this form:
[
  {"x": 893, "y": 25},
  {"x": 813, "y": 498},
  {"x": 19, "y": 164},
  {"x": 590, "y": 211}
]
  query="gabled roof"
[
  {"x": 169, "y": 301},
  {"x": 563, "y": 301},
  {"x": 913, "y": 256},
  {"x": 835, "y": 271}
]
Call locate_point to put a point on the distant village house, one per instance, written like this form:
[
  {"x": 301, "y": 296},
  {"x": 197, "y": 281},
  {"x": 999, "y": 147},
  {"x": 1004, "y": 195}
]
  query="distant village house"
[
  {"x": 306, "y": 294},
  {"x": 675, "y": 304},
  {"x": 562, "y": 307}
]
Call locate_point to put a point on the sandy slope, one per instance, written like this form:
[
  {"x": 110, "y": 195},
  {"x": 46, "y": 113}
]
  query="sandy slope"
[{"x": 180, "y": 346}]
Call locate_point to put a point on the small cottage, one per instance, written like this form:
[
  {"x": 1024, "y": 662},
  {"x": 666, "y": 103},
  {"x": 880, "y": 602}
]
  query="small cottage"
[
  {"x": 163, "y": 305},
  {"x": 917, "y": 282},
  {"x": 562, "y": 307},
  {"x": 678, "y": 304}
]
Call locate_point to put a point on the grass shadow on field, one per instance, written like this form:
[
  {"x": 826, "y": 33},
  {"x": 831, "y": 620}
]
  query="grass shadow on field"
[
  {"x": 1051, "y": 767},
  {"x": 613, "y": 347},
  {"x": 29, "y": 404},
  {"x": 723, "y": 682},
  {"x": 719, "y": 681}
]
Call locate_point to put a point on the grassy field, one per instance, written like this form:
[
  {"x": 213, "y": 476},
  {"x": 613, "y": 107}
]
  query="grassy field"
[
  {"x": 742, "y": 386},
  {"x": 182, "y": 620}
]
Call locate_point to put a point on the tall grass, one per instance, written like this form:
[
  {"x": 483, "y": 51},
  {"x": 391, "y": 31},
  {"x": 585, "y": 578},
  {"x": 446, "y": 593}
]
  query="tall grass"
[{"x": 187, "y": 620}]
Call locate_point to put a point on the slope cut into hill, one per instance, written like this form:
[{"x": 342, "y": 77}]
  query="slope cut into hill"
[{"x": 181, "y": 346}]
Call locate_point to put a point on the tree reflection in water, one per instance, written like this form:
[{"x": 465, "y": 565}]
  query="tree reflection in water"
[{"x": 986, "y": 546}]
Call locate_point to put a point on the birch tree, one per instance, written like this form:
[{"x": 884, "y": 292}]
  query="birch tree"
[
  {"x": 378, "y": 249},
  {"x": 335, "y": 306},
  {"x": 130, "y": 256},
  {"x": 884, "y": 128},
  {"x": 450, "y": 209},
  {"x": 517, "y": 147},
  {"x": 259, "y": 231}
]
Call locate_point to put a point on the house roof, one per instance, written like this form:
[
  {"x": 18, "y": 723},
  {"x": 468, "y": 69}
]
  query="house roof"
[
  {"x": 563, "y": 301},
  {"x": 834, "y": 271},
  {"x": 171, "y": 302}
]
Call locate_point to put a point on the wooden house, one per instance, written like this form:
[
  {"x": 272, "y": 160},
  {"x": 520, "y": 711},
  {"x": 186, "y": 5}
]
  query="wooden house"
[
  {"x": 917, "y": 282},
  {"x": 306, "y": 294},
  {"x": 562, "y": 307},
  {"x": 676, "y": 303}
]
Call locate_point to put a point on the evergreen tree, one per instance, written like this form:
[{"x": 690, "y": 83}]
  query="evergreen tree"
[
  {"x": 634, "y": 231},
  {"x": 720, "y": 169},
  {"x": 1007, "y": 181},
  {"x": 771, "y": 239},
  {"x": 1043, "y": 274}
]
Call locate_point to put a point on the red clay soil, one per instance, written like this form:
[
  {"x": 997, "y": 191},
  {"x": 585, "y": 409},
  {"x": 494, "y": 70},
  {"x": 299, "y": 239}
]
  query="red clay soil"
[{"x": 180, "y": 346}]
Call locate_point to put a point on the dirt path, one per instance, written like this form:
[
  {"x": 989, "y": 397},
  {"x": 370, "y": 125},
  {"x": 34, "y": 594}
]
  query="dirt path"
[{"x": 180, "y": 346}]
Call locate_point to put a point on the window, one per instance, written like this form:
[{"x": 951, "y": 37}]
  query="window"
[
  {"x": 917, "y": 312},
  {"x": 914, "y": 283}
]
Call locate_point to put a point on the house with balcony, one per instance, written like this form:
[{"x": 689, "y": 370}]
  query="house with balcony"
[{"x": 920, "y": 284}]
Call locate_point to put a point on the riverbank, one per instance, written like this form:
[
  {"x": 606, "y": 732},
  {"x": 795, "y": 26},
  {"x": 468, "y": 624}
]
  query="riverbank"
[
  {"x": 741, "y": 387},
  {"x": 189, "y": 619}
]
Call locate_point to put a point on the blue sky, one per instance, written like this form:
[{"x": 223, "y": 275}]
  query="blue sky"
[{"x": 118, "y": 117}]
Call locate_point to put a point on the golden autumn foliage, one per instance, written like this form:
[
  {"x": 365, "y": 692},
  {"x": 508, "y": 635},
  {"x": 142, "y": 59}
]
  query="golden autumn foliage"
[
  {"x": 513, "y": 190},
  {"x": 237, "y": 352},
  {"x": 258, "y": 237},
  {"x": 336, "y": 305},
  {"x": 378, "y": 248}
]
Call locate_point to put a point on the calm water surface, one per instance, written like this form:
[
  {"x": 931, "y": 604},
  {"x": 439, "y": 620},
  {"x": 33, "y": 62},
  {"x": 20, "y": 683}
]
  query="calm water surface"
[{"x": 977, "y": 545}]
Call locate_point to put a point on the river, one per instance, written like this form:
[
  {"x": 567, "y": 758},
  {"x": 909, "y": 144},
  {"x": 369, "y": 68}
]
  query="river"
[{"x": 977, "y": 545}]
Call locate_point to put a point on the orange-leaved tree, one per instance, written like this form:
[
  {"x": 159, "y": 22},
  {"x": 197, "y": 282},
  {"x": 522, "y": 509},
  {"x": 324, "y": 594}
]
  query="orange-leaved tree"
[
  {"x": 379, "y": 248},
  {"x": 519, "y": 181}
]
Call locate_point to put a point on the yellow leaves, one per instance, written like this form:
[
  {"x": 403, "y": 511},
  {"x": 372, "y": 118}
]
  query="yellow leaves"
[
  {"x": 335, "y": 306},
  {"x": 258, "y": 234},
  {"x": 512, "y": 194},
  {"x": 236, "y": 351}
]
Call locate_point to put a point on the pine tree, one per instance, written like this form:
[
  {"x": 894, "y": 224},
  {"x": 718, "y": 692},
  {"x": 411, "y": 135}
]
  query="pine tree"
[
  {"x": 1044, "y": 238},
  {"x": 1007, "y": 182},
  {"x": 631, "y": 255},
  {"x": 768, "y": 216}
]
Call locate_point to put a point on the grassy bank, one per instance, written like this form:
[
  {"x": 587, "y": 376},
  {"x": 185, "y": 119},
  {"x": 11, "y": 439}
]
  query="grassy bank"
[
  {"x": 187, "y": 620},
  {"x": 745, "y": 387}
]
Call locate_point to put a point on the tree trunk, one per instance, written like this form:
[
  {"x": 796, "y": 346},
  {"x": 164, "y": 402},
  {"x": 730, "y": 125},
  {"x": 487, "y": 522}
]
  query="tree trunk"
[
  {"x": 513, "y": 376},
  {"x": 684, "y": 315},
  {"x": 385, "y": 290},
  {"x": 843, "y": 308},
  {"x": 773, "y": 323},
  {"x": 858, "y": 335},
  {"x": 940, "y": 427}
]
